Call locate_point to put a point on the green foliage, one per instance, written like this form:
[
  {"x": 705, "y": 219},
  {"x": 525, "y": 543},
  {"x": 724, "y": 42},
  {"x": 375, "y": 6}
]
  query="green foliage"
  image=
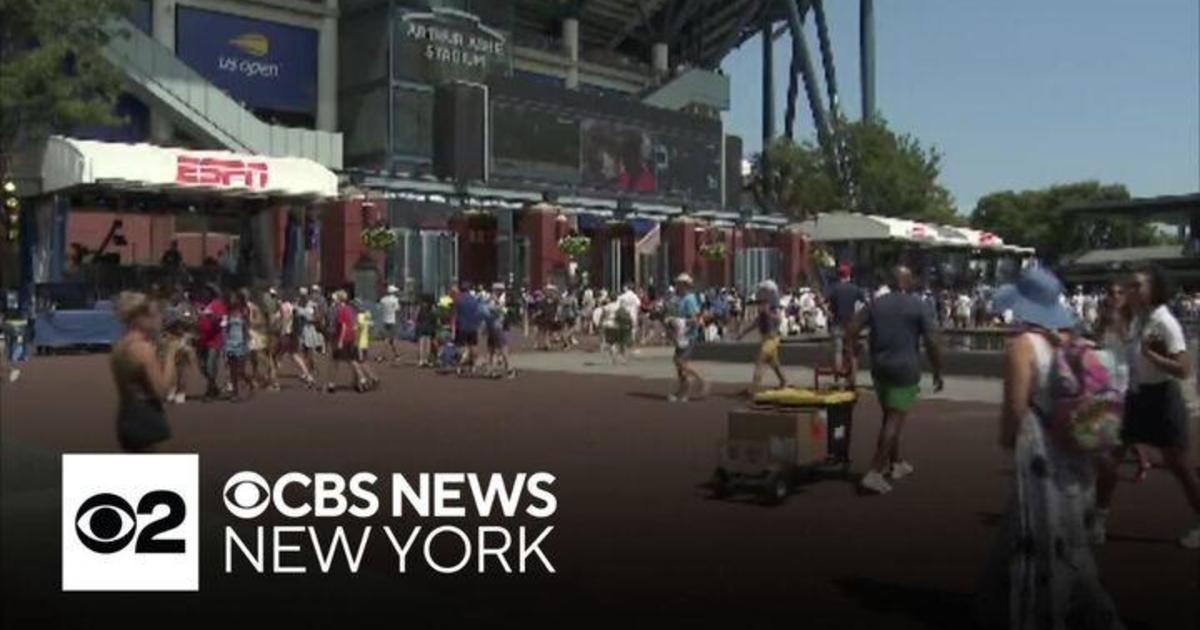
[
  {"x": 793, "y": 179},
  {"x": 893, "y": 175},
  {"x": 1035, "y": 218},
  {"x": 574, "y": 245},
  {"x": 52, "y": 77}
]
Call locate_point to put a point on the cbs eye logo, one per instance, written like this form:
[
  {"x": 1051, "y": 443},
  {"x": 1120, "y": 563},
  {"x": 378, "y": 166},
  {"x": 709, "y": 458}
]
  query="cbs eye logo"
[
  {"x": 247, "y": 495},
  {"x": 130, "y": 522},
  {"x": 106, "y": 523}
]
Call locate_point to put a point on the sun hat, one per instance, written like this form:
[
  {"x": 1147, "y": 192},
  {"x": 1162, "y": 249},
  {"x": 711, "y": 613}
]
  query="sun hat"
[
  {"x": 1035, "y": 299},
  {"x": 393, "y": 289},
  {"x": 766, "y": 289},
  {"x": 683, "y": 278}
]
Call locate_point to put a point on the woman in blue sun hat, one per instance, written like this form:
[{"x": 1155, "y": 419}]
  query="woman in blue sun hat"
[{"x": 1041, "y": 572}]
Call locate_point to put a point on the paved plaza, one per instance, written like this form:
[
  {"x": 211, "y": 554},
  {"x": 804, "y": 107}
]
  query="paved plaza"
[{"x": 637, "y": 536}]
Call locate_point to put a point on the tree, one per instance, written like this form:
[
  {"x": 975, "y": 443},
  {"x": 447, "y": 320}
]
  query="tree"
[
  {"x": 1035, "y": 218},
  {"x": 52, "y": 75},
  {"x": 894, "y": 174},
  {"x": 886, "y": 173},
  {"x": 793, "y": 179}
]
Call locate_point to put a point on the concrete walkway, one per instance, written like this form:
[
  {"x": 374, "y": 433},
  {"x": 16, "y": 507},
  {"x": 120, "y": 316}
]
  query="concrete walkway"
[{"x": 655, "y": 363}]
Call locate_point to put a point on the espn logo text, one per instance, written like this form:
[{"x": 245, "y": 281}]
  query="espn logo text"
[
  {"x": 130, "y": 523},
  {"x": 209, "y": 171}
]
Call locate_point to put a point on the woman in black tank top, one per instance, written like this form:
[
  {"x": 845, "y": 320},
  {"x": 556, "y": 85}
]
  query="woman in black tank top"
[{"x": 142, "y": 374}]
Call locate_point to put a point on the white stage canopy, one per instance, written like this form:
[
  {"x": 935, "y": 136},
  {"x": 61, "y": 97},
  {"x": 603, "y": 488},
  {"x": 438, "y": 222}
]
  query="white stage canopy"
[
  {"x": 835, "y": 227},
  {"x": 70, "y": 163}
]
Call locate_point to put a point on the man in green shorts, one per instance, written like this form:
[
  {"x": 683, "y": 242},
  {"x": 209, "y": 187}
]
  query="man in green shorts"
[{"x": 899, "y": 322}]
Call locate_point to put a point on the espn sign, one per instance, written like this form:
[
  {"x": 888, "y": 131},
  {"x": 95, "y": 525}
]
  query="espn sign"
[{"x": 208, "y": 171}]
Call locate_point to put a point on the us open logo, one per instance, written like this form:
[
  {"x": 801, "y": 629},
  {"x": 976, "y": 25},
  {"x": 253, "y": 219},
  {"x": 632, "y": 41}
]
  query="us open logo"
[{"x": 130, "y": 523}]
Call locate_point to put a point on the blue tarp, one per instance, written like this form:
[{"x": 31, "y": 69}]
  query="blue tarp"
[
  {"x": 61, "y": 329},
  {"x": 641, "y": 227}
]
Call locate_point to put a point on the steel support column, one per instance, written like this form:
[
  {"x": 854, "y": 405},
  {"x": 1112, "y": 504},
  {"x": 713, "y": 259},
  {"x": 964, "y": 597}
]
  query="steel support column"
[
  {"x": 768, "y": 84},
  {"x": 866, "y": 27},
  {"x": 818, "y": 7},
  {"x": 801, "y": 57}
]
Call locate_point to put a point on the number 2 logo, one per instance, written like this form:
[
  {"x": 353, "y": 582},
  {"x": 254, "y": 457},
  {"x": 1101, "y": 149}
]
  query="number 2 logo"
[{"x": 106, "y": 523}]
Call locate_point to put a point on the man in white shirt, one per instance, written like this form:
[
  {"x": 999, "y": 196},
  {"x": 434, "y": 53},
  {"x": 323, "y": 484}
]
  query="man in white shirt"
[
  {"x": 632, "y": 304},
  {"x": 389, "y": 306}
]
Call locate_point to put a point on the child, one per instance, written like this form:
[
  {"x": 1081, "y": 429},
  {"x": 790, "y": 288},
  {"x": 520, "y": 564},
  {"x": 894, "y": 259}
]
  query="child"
[
  {"x": 237, "y": 345},
  {"x": 426, "y": 326},
  {"x": 497, "y": 336},
  {"x": 367, "y": 380}
]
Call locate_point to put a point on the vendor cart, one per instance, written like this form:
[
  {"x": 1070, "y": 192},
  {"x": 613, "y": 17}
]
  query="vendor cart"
[{"x": 786, "y": 434}]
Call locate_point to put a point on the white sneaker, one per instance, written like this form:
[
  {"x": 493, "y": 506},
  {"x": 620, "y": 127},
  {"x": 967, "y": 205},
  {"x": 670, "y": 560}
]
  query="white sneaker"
[
  {"x": 13, "y": 375},
  {"x": 179, "y": 398},
  {"x": 1191, "y": 540},
  {"x": 875, "y": 482},
  {"x": 902, "y": 469},
  {"x": 676, "y": 399},
  {"x": 1098, "y": 533}
]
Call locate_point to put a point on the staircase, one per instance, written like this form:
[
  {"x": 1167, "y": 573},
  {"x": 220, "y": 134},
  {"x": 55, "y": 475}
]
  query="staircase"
[{"x": 158, "y": 76}]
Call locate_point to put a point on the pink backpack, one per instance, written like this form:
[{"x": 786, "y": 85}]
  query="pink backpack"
[{"x": 1087, "y": 386}]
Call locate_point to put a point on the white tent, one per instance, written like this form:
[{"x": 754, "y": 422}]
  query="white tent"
[
  {"x": 836, "y": 227},
  {"x": 70, "y": 163}
]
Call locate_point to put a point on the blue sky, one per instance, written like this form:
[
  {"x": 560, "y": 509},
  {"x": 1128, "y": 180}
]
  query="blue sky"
[{"x": 1015, "y": 93}]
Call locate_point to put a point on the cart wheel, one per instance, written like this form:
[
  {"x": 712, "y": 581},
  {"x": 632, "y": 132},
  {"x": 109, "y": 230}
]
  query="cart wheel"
[
  {"x": 719, "y": 485},
  {"x": 775, "y": 488}
]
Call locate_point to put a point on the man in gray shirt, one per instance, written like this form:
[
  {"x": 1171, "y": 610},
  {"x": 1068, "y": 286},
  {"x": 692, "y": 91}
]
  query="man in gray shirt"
[{"x": 899, "y": 322}]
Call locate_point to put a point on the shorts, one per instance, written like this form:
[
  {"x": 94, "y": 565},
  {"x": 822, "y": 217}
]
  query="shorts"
[
  {"x": 287, "y": 344},
  {"x": 468, "y": 338},
  {"x": 683, "y": 353},
  {"x": 497, "y": 339},
  {"x": 389, "y": 330},
  {"x": 346, "y": 353},
  {"x": 1156, "y": 415},
  {"x": 769, "y": 350},
  {"x": 896, "y": 397}
]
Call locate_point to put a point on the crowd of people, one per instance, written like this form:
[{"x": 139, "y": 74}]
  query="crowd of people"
[{"x": 243, "y": 341}]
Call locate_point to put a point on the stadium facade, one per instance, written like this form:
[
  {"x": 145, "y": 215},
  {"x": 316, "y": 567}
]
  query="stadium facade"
[{"x": 480, "y": 132}]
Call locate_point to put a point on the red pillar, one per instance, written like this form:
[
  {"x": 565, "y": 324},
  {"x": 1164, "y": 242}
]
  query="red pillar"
[
  {"x": 793, "y": 243},
  {"x": 541, "y": 226},
  {"x": 476, "y": 248},
  {"x": 342, "y": 223},
  {"x": 680, "y": 235}
]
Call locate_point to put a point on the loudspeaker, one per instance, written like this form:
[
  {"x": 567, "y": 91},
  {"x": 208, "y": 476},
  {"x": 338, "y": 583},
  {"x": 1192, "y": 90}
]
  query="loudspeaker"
[
  {"x": 733, "y": 173},
  {"x": 460, "y": 125}
]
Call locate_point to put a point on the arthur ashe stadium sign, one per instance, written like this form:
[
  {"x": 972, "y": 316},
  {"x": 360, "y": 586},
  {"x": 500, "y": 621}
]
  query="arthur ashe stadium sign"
[{"x": 448, "y": 44}]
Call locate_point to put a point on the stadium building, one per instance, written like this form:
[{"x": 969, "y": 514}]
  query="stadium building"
[
  {"x": 479, "y": 132},
  {"x": 426, "y": 142}
]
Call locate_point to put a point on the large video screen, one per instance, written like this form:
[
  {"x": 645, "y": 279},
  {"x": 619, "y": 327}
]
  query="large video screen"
[
  {"x": 534, "y": 143},
  {"x": 617, "y": 156},
  {"x": 688, "y": 166},
  {"x": 540, "y": 142}
]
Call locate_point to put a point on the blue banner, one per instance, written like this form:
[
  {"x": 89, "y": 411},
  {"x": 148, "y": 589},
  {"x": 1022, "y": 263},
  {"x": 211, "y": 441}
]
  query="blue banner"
[{"x": 265, "y": 65}]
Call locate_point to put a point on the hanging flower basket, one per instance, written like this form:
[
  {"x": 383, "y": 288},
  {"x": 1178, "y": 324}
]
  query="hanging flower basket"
[
  {"x": 822, "y": 259},
  {"x": 574, "y": 245},
  {"x": 378, "y": 238},
  {"x": 713, "y": 251}
]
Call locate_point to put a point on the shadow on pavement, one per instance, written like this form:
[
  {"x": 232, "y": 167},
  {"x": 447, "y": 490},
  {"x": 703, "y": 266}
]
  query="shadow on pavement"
[{"x": 933, "y": 608}]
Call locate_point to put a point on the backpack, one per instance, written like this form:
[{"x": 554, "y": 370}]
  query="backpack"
[{"x": 1087, "y": 386}]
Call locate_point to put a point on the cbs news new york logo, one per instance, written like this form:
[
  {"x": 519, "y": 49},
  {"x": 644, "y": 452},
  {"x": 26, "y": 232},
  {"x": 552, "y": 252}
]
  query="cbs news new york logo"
[{"x": 130, "y": 523}]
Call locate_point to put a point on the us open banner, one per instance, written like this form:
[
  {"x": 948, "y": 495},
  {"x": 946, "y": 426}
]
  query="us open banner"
[{"x": 265, "y": 65}]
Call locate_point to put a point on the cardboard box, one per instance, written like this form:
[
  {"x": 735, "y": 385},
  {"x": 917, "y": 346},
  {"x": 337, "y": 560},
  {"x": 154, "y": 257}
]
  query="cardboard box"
[{"x": 807, "y": 427}]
